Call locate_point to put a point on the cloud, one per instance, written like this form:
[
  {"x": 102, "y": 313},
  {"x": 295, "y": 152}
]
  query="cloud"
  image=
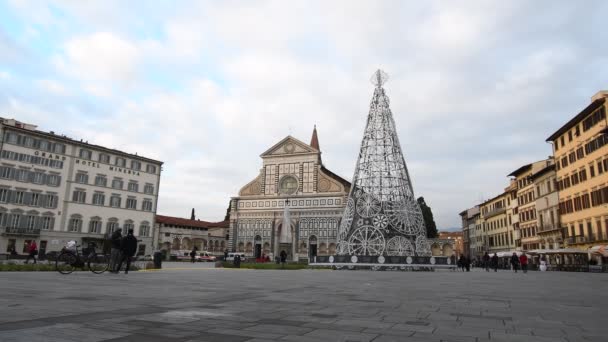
[{"x": 206, "y": 87}]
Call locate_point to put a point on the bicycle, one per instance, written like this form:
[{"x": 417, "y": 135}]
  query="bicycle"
[{"x": 69, "y": 259}]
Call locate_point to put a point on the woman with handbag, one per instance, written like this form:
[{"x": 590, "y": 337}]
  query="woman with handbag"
[{"x": 32, "y": 249}]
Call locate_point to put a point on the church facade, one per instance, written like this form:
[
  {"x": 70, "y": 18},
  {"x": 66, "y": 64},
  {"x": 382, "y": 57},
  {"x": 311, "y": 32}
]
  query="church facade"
[{"x": 293, "y": 205}]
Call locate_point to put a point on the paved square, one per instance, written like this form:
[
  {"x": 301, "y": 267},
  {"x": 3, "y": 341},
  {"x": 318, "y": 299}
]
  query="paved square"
[{"x": 201, "y": 304}]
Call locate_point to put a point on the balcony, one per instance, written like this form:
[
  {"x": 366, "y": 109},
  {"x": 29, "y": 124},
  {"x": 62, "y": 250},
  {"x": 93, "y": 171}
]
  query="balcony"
[
  {"x": 21, "y": 231},
  {"x": 549, "y": 227},
  {"x": 573, "y": 240},
  {"x": 495, "y": 212}
]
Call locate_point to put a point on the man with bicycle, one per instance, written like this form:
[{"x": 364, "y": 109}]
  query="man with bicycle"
[{"x": 116, "y": 249}]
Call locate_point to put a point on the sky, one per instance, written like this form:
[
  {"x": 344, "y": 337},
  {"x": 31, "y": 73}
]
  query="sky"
[{"x": 476, "y": 87}]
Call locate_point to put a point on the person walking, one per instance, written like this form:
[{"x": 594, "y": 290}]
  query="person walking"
[
  {"x": 453, "y": 262},
  {"x": 283, "y": 257},
  {"x": 462, "y": 262},
  {"x": 514, "y": 262},
  {"x": 193, "y": 255},
  {"x": 486, "y": 261},
  {"x": 116, "y": 240},
  {"x": 523, "y": 261},
  {"x": 32, "y": 250},
  {"x": 128, "y": 249},
  {"x": 495, "y": 262}
]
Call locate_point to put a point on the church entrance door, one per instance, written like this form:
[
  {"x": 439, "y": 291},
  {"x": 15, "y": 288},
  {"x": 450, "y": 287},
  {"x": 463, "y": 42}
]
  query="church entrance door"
[
  {"x": 258, "y": 247},
  {"x": 312, "y": 251}
]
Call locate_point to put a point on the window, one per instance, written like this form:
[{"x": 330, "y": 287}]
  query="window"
[
  {"x": 101, "y": 180},
  {"x": 115, "y": 201},
  {"x": 45, "y": 145},
  {"x": 85, "y": 154},
  {"x": 117, "y": 183},
  {"x": 146, "y": 205},
  {"x": 35, "y": 199},
  {"x": 128, "y": 225},
  {"x": 19, "y": 197},
  {"x": 149, "y": 189},
  {"x": 99, "y": 198},
  {"x": 53, "y": 180},
  {"x": 569, "y": 136},
  {"x": 12, "y": 138},
  {"x": 51, "y": 201},
  {"x": 59, "y": 148},
  {"x": 4, "y": 195},
  {"x": 82, "y": 178},
  {"x": 7, "y": 172},
  {"x": 120, "y": 162},
  {"x": 95, "y": 226},
  {"x": 112, "y": 225},
  {"x": 104, "y": 158},
  {"x": 144, "y": 229},
  {"x": 131, "y": 203},
  {"x": 592, "y": 170},
  {"x": 75, "y": 224},
  {"x": 37, "y": 177},
  {"x": 133, "y": 186},
  {"x": 79, "y": 196},
  {"x": 46, "y": 223},
  {"x": 150, "y": 168},
  {"x": 31, "y": 222},
  {"x": 135, "y": 165},
  {"x": 22, "y": 175},
  {"x": 15, "y": 219}
]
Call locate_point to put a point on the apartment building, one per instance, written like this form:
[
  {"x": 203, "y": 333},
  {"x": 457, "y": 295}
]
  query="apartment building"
[
  {"x": 548, "y": 225},
  {"x": 496, "y": 235},
  {"x": 526, "y": 205},
  {"x": 580, "y": 150}
]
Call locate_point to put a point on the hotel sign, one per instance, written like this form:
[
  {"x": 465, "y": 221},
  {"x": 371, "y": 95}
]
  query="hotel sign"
[{"x": 111, "y": 168}]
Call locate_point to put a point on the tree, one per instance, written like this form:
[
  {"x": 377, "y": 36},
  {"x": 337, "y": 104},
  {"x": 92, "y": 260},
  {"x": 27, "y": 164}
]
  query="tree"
[{"x": 429, "y": 222}]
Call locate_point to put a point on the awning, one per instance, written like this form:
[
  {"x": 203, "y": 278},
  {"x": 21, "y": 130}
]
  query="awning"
[{"x": 600, "y": 249}]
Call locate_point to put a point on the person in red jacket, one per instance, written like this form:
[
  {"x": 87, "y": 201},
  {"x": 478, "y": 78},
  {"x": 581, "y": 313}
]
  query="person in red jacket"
[
  {"x": 32, "y": 250},
  {"x": 523, "y": 261}
]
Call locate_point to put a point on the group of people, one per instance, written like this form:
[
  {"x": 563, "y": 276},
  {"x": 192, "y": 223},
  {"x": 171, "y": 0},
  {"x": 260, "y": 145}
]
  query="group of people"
[
  {"x": 516, "y": 262},
  {"x": 123, "y": 250}
]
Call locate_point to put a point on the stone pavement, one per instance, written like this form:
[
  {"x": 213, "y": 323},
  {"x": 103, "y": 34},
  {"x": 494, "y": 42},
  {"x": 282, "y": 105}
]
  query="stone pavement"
[{"x": 206, "y": 304}]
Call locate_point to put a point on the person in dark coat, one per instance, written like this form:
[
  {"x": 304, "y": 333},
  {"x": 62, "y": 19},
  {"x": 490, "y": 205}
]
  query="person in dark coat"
[
  {"x": 283, "y": 257},
  {"x": 462, "y": 262},
  {"x": 32, "y": 250},
  {"x": 128, "y": 248},
  {"x": 486, "y": 262},
  {"x": 193, "y": 255},
  {"x": 515, "y": 262},
  {"x": 495, "y": 262},
  {"x": 116, "y": 240}
]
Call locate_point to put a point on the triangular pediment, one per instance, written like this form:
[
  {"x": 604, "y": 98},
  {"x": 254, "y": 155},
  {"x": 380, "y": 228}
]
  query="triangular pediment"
[{"x": 289, "y": 146}]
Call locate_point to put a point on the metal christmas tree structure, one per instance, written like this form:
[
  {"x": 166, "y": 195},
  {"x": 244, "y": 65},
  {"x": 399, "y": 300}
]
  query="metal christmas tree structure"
[{"x": 382, "y": 216}]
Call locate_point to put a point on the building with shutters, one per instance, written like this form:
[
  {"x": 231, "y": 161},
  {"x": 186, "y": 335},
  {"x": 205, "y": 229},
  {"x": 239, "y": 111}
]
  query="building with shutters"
[{"x": 54, "y": 189}]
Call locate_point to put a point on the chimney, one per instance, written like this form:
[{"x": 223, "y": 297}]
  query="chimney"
[{"x": 600, "y": 94}]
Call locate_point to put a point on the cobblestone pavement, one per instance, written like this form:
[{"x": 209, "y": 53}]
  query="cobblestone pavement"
[{"x": 209, "y": 304}]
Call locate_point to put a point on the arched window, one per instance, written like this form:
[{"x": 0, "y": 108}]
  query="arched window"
[
  {"x": 112, "y": 225},
  {"x": 144, "y": 228},
  {"x": 75, "y": 223},
  {"x": 128, "y": 225},
  {"x": 95, "y": 225}
]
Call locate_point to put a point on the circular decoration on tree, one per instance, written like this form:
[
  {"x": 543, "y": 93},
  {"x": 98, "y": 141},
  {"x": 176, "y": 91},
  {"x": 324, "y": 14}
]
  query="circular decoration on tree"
[
  {"x": 399, "y": 246},
  {"x": 353, "y": 259},
  {"x": 331, "y": 258},
  {"x": 381, "y": 260},
  {"x": 380, "y": 221},
  {"x": 409, "y": 260},
  {"x": 422, "y": 246},
  {"x": 366, "y": 240},
  {"x": 433, "y": 261},
  {"x": 368, "y": 206}
]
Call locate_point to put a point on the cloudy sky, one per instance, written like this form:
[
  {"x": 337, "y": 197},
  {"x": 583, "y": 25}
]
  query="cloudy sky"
[{"x": 206, "y": 87}]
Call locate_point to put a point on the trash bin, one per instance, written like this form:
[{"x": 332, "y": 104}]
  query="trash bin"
[{"x": 158, "y": 259}]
